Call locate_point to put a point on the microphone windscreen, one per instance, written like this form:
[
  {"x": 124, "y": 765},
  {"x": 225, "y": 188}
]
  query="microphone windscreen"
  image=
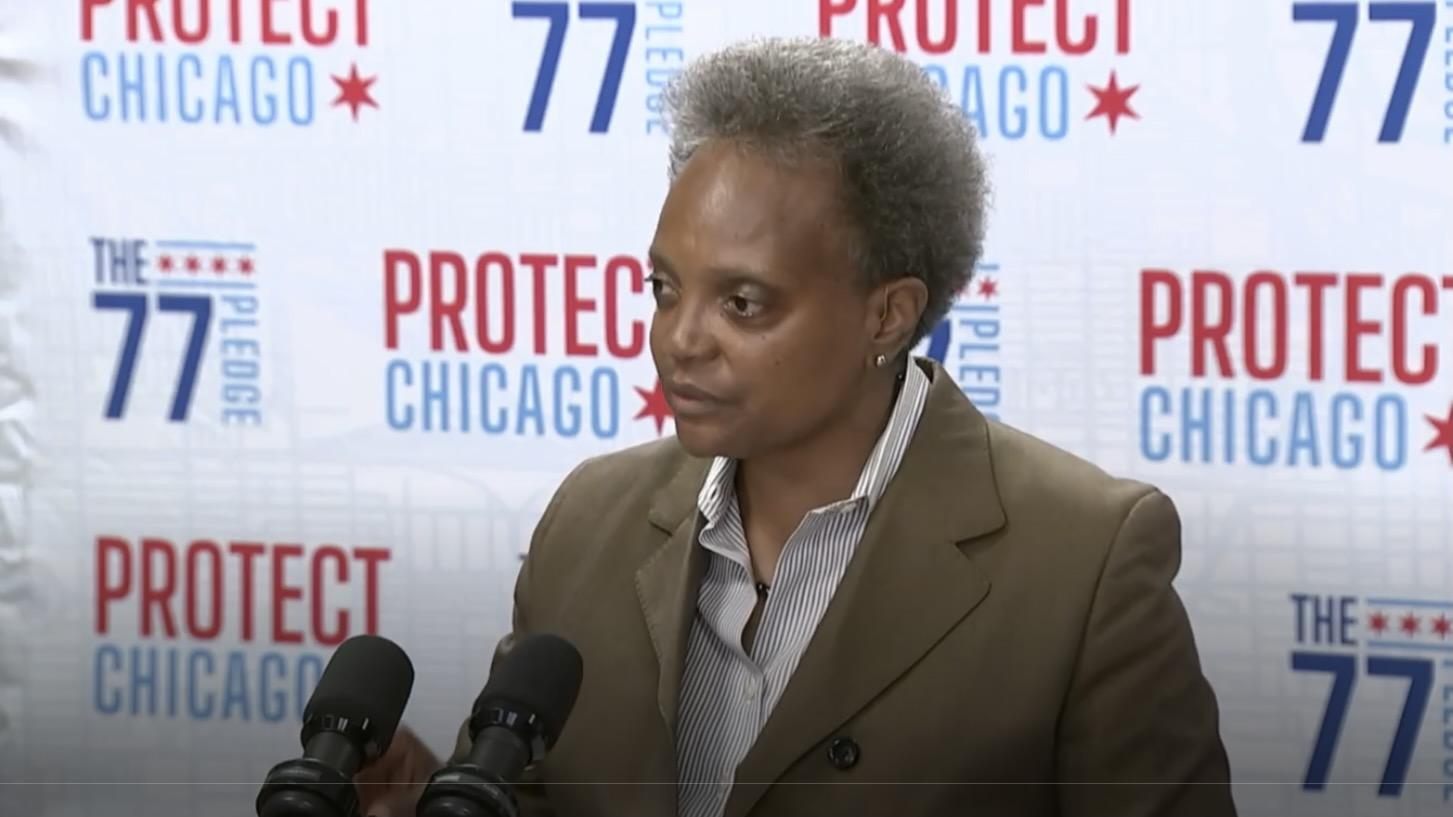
[
  {"x": 368, "y": 678},
  {"x": 539, "y": 674}
]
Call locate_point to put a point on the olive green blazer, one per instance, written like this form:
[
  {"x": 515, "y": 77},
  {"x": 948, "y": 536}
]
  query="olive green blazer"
[{"x": 1006, "y": 641}]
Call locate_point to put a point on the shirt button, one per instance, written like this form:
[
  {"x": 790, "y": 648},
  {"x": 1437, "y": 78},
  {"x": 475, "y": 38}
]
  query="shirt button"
[{"x": 843, "y": 753}]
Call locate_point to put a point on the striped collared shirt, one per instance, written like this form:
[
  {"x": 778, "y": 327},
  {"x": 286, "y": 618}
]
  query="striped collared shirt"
[{"x": 726, "y": 694}]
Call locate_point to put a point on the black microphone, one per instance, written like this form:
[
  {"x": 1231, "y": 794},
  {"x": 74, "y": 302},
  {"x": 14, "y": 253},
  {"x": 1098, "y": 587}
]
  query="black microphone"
[
  {"x": 517, "y": 719},
  {"x": 347, "y": 724}
]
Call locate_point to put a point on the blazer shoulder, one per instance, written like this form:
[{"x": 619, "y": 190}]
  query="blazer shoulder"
[
  {"x": 610, "y": 495},
  {"x": 634, "y": 473},
  {"x": 1033, "y": 474},
  {"x": 596, "y": 525}
]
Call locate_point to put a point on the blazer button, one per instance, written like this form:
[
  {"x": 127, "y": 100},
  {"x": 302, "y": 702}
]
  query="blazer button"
[{"x": 843, "y": 753}]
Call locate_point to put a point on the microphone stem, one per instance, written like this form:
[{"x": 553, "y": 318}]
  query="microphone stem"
[
  {"x": 501, "y": 751},
  {"x": 335, "y": 751}
]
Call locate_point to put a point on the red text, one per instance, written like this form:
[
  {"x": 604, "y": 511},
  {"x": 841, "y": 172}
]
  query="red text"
[
  {"x": 472, "y": 305},
  {"x": 265, "y": 22},
  {"x": 1379, "y": 326},
  {"x": 205, "y": 586},
  {"x": 935, "y": 25}
]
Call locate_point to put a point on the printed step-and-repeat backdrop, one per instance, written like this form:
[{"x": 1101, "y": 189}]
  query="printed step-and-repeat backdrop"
[{"x": 307, "y": 305}]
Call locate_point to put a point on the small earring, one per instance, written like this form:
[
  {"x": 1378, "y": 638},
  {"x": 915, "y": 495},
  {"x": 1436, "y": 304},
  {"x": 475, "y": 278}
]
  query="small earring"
[{"x": 880, "y": 360}]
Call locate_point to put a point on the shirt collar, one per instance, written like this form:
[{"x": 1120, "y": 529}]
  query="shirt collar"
[{"x": 718, "y": 491}]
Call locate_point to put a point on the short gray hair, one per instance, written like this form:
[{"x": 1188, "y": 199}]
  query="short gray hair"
[{"x": 913, "y": 178}]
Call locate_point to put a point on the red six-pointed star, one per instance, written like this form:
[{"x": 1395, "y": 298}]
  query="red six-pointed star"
[
  {"x": 654, "y": 405},
  {"x": 1409, "y": 624},
  {"x": 1443, "y": 626},
  {"x": 1378, "y": 622}
]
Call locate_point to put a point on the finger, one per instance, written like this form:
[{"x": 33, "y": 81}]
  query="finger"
[{"x": 383, "y": 808}]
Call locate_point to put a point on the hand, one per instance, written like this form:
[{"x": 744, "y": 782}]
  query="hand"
[{"x": 391, "y": 785}]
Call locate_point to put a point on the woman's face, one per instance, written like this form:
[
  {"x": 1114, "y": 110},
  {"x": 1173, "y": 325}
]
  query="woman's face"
[{"x": 763, "y": 334}]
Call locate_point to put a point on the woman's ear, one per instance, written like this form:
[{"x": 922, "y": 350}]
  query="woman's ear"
[{"x": 900, "y": 307}]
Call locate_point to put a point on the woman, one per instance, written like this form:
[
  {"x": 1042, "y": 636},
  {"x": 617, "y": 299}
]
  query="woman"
[{"x": 838, "y": 571}]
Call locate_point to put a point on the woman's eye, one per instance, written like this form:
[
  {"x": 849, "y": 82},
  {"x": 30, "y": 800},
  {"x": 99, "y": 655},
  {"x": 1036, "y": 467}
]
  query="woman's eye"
[{"x": 743, "y": 306}]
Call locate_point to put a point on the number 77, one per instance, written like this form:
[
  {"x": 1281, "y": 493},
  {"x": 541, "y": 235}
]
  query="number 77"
[
  {"x": 1343, "y": 668},
  {"x": 134, "y": 304},
  {"x": 1343, "y": 17},
  {"x": 558, "y": 16}
]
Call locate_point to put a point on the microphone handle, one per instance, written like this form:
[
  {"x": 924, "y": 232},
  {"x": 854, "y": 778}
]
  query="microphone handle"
[
  {"x": 318, "y": 784},
  {"x": 306, "y": 788},
  {"x": 480, "y": 786},
  {"x": 500, "y": 751},
  {"x": 334, "y": 750}
]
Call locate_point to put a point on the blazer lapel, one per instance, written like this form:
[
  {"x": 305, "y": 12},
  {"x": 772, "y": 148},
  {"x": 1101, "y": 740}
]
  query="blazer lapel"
[
  {"x": 666, "y": 584},
  {"x": 907, "y": 585}
]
